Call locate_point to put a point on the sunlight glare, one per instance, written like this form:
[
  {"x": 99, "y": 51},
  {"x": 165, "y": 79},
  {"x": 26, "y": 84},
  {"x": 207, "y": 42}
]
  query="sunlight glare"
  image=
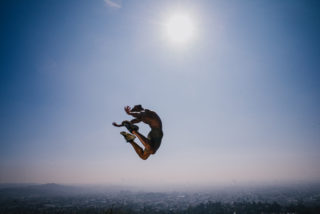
[{"x": 180, "y": 28}]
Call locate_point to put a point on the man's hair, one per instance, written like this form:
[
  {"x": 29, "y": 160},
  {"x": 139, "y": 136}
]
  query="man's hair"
[{"x": 137, "y": 108}]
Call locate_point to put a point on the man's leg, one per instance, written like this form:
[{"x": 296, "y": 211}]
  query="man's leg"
[
  {"x": 145, "y": 141},
  {"x": 142, "y": 153}
]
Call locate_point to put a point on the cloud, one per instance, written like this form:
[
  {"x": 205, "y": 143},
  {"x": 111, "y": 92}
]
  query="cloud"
[{"x": 113, "y": 3}]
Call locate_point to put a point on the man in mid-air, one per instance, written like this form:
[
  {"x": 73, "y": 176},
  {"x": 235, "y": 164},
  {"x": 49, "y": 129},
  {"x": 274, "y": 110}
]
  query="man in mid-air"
[{"x": 153, "y": 141}]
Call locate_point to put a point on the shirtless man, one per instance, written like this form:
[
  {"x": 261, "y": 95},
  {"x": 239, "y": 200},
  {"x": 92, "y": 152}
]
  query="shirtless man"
[{"x": 153, "y": 141}]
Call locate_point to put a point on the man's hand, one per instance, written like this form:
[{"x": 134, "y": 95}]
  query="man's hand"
[
  {"x": 127, "y": 109},
  {"x": 115, "y": 124},
  {"x": 133, "y": 114}
]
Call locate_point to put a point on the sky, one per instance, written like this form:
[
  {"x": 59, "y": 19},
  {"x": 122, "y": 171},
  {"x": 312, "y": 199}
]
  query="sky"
[{"x": 239, "y": 101}]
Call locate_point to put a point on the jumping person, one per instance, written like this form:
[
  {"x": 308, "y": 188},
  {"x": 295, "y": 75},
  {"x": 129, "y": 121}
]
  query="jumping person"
[{"x": 153, "y": 141}]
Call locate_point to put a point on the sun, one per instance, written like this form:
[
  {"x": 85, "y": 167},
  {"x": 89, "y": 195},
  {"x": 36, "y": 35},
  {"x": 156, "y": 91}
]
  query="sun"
[{"x": 179, "y": 28}]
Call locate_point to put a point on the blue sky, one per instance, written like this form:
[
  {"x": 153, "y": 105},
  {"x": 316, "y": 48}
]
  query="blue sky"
[{"x": 239, "y": 103}]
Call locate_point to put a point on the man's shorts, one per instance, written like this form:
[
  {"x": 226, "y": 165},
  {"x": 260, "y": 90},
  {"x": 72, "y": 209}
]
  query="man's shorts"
[{"x": 155, "y": 137}]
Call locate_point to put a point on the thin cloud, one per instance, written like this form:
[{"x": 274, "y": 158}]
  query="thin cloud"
[{"x": 114, "y": 4}]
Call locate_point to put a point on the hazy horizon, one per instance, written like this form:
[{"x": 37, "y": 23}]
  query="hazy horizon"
[
  {"x": 239, "y": 98},
  {"x": 226, "y": 188}
]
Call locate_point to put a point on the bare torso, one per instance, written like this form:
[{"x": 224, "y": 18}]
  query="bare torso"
[{"x": 151, "y": 118}]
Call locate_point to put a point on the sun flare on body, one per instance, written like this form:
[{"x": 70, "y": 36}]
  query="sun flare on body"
[{"x": 179, "y": 28}]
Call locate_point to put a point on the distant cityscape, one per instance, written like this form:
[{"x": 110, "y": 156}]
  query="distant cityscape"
[{"x": 55, "y": 198}]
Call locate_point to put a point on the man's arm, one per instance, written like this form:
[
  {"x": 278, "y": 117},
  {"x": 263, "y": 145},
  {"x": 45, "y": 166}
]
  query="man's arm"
[
  {"x": 117, "y": 125},
  {"x": 136, "y": 120},
  {"x": 136, "y": 115}
]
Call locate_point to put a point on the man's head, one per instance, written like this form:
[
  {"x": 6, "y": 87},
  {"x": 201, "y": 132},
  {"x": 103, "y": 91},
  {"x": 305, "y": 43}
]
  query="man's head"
[{"x": 137, "y": 108}]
